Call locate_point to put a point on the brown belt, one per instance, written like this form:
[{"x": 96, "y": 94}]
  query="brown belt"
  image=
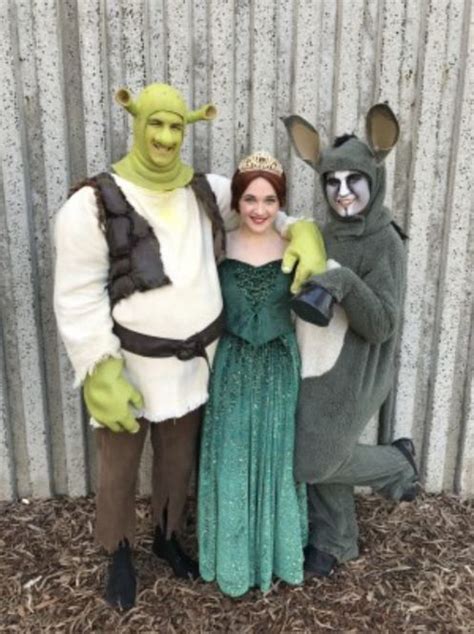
[{"x": 160, "y": 347}]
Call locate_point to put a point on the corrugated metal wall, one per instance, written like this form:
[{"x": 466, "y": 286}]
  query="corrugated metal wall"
[{"x": 328, "y": 60}]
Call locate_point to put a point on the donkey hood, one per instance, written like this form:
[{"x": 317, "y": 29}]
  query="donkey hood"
[{"x": 353, "y": 155}]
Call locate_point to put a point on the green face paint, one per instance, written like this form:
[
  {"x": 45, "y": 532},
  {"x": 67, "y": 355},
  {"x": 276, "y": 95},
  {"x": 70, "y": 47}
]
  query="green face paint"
[
  {"x": 160, "y": 118},
  {"x": 164, "y": 132}
]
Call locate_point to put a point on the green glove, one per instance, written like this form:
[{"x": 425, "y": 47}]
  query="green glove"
[
  {"x": 307, "y": 248},
  {"x": 108, "y": 396}
]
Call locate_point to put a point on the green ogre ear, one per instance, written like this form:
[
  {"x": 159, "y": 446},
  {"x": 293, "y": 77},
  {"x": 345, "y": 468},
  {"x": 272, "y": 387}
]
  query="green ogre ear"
[
  {"x": 382, "y": 130},
  {"x": 305, "y": 139},
  {"x": 124, "y": 97},
  {"x": 206, "y": 113}
]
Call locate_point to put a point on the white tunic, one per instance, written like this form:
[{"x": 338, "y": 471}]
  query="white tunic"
[{"x": 192, "y": 301}]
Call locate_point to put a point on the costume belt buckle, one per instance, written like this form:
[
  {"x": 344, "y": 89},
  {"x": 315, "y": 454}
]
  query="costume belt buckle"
[{"x": 189, "y": 350}]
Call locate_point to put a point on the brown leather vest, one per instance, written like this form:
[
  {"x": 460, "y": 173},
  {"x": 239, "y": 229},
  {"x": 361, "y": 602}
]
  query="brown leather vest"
[{"x": 134, "y": 250}]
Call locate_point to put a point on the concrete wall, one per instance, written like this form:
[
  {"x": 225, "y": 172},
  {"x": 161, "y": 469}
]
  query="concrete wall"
[{"x": 328, "y": 60}]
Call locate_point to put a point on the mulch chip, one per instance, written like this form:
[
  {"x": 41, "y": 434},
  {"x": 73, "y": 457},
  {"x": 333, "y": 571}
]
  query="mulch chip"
[{"x": 415, "y": 574}]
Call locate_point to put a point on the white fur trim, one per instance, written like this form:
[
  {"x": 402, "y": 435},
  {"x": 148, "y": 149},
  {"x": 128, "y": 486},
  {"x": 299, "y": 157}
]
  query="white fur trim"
[
  {"x": 283, "y": 222},
  {"x": 89, "y": 369},
  {"x": 163, "y": 414},
  {"x": 332, "y": 264}
]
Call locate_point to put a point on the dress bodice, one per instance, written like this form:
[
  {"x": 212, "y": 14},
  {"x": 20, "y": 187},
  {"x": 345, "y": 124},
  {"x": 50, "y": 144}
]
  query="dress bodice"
[{"x": 256, "y": 300}]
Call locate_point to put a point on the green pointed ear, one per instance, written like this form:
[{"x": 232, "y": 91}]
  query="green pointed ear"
[
  {"x": 382, "y": 130},
  {"x": 305, "y": 139},
  {"x": 206, "y": 113},
  {"x": 124, "y": 97}
]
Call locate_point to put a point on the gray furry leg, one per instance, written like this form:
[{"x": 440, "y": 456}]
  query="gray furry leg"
[{"x": 332, "y": 519}]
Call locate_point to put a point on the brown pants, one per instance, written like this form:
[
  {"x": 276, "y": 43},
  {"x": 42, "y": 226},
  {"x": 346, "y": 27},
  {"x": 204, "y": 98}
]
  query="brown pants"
[{"x": 174, "y": 445}]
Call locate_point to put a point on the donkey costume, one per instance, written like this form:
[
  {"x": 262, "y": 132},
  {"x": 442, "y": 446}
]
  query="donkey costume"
[{"x": 347, "y": 368}]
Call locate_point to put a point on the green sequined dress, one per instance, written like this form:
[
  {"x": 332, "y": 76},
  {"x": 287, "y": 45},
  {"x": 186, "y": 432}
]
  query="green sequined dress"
[{"x": 252, "y": 516}]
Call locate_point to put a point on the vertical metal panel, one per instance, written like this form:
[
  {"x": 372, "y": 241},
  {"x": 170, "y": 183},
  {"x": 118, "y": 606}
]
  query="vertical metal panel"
[
  {"x": 7, "y": 483},
  {"x": 416, "y": 344},
  {"x": 348, "y": 65},
  {"x": 465, "y": 466},
  {"x": 221, "y": 42},
  {"x": 95, "y": 89},
  {"x": 327, "y": 95},
  {"x": 201, "y": 84},
  {"x": 180, "y": 60},
  {"x": 61, "y": 63},
  {"x": 304, "y": 96},
  {"x": 55, "y": 143},
  {"x": 237, "y": 67},
  {"x": 427, "y": 404},
  {"x": 405, "y": 75},
  {"x": 23, "y": 298},
  {"x": 114, "y": 65},
  {"x": 264, "y": 75},
  {"x": 452, "y": 336},
  {"x": 284, "y": 61},
  {"x": 389, "y": 72}
]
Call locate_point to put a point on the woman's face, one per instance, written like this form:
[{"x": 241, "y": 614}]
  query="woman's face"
[{"x": 258, "y": 206}]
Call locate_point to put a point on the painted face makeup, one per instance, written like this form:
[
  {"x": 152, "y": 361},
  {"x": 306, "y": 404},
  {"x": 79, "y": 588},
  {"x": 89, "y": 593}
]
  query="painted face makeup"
[
  {"x": 163, "y": 137},
  {"x": 348, "y": 192},
  {"x": 258, "y": 206}
]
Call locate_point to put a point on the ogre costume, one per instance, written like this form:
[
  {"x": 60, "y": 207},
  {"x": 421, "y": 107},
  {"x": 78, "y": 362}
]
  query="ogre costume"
[
  {"x": 347, "y": 368},
  {"x": 138, "y": 305}
]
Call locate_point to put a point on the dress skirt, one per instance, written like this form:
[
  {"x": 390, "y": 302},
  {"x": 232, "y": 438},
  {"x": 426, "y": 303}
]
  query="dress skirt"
[{"x": 252, "y": 516}]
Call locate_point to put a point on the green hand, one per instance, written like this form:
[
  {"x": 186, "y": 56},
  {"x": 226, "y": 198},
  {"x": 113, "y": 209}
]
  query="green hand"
[
  {"x": 108, "y": 397},
  {"x": 307, "y": 249}
]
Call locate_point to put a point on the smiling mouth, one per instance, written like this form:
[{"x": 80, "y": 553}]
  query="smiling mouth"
[
  {"x": 162, "y": 149},
  {"x": 346, "y": 202},
  {"x": 258, "y": 219}
]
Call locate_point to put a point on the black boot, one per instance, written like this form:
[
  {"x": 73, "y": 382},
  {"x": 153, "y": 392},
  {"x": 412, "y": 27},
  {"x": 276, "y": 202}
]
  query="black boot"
[
  {"x": 121, "y": 586},
  {"x": 318, "y": 563},
  {"x": 407, "y": 448},
  {"x": 169, "y": 549}
]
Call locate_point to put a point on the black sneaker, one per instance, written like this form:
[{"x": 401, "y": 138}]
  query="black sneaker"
[
  {"x": 121, "y": 587},
  {"x": 318, "y": 563},
  {"x": 411, "y": 493},
  {"x": 184, "y": 567},
  {"x": 407, "y": 448}
]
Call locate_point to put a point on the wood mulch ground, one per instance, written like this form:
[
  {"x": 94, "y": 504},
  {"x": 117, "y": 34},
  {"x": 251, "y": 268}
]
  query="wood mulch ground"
[{"x": 415, "y": 574}]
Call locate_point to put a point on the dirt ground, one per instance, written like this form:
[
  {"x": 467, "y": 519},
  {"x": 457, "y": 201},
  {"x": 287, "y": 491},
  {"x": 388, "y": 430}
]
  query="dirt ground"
[{"x": 415, "y": 574}]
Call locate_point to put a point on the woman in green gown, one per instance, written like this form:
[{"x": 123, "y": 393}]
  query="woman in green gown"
[{"x": 252, "y": 517}]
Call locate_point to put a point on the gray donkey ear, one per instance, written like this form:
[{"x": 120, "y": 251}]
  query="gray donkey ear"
[
  {"x": 382, "y": 130},
  {"x": 305, "y": 139}
]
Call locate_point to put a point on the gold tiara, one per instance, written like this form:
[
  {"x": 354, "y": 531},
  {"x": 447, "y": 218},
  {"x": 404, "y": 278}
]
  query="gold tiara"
[{"x": 261, "y": 161}]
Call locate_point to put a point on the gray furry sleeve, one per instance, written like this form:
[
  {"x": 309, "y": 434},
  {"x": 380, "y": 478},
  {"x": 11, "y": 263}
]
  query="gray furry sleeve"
[{"x": 372, "y": 302}]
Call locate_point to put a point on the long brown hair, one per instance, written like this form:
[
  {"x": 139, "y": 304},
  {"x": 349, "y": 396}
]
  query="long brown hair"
[{"x": 241, "y": 180}]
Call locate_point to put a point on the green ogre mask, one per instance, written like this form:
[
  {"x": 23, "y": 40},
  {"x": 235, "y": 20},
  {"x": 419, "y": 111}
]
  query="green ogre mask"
[{"x": 160, "y": 116}]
